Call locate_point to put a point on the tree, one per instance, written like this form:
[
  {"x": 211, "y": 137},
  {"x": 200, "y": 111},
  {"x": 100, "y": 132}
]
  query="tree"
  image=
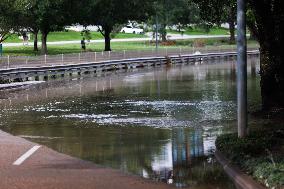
[
  {"x": 49, "y": 15},
  {"x": 266, "y": 22},
  {"x": 178, "y": 12},
  {"x": 219, "y": 11},
  {"x": 9, "y": 17},
  {"x": 109, "y": 13}
]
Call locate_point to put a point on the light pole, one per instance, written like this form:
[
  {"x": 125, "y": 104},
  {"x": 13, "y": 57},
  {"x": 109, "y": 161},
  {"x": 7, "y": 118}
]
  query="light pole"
[
  {"x": 157, "y": 41},
  {"x": 242, "y": 69}
]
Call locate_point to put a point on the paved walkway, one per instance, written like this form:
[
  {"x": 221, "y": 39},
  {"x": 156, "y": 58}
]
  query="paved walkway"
[
  {"x": 47, "y": 169},
  {"x": 170, "y": 36}
]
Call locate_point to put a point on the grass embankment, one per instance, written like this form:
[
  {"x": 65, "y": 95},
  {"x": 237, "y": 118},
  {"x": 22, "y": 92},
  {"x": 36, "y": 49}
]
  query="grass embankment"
[
  {"x": 259, "y": 155},
  {"x": 72, "y": 36},
  {"x": 120, "y": 46},
  {"x": 201, "y": 31}
]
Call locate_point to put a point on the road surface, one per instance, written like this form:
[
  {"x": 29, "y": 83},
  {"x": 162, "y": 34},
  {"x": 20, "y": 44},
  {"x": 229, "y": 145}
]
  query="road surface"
[{"x": 26, "y": 165}]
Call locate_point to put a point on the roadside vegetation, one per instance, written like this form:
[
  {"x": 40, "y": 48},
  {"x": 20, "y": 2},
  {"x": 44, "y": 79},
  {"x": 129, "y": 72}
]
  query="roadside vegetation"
[
  {"x": 71, "y": 36},
  {"x": 209, "y": 44},
  {"x": 202, "y": 31},
  {"x": 259, "y": 155}
]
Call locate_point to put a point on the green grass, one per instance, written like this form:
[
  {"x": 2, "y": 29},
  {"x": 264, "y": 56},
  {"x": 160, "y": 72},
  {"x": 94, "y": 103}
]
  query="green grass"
[
  {"x": 118, "y": 46},
  {"x": 200, "y": 31},
  {"x": 72, "y": 36},
  {"x": 260, "y": 155}
]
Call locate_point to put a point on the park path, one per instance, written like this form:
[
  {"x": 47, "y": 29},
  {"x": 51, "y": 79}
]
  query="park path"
[
  {"x": 170, "y": 36},
  {"x": 47, "y": 169}
]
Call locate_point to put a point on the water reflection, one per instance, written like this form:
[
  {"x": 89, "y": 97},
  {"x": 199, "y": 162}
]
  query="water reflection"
[{"x": 159, "y": 124}]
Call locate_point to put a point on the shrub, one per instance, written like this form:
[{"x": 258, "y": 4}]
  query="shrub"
[
  {"x": 199, "y": 43},
  {"x": 256, "y": 155}
]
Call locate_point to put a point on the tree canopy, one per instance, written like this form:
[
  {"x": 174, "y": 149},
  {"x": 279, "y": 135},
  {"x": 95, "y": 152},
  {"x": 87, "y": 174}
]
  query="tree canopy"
[{"x": 109, "y": 13}]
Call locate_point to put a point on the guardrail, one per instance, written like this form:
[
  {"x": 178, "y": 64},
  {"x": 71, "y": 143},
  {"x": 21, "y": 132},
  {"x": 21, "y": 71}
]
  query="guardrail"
[
  {"x": 7, "y": 62},
  {"x": 43, "y": 72}
]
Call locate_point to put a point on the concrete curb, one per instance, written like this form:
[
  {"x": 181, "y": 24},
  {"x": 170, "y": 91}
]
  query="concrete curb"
[
  {"x": 241, "y": 180},
  {"x": 18, "y": 85}
]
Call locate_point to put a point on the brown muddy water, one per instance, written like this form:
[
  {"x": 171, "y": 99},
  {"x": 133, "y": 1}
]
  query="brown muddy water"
[{"x": 159, "y": 123}]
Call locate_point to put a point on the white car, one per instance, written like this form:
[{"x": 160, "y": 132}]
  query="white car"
[{"x": 130, "y": 29}]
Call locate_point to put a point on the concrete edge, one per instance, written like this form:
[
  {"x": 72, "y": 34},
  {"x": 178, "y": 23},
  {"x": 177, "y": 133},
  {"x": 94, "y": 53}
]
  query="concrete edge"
[
  {"x": 241, "y": 180},
  {"x": 18, "y": 85}
]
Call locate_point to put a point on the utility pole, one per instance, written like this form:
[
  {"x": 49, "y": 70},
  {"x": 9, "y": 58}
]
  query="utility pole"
[
  {"x": 157, "y": 40},
  {"x": 242, "y": 69}
]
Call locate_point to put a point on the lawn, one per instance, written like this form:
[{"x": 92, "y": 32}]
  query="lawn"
[
  {"x": 200, "y": 31},
  {"x": 72, "y": 36},
  {"x": 120, "y": 46}
]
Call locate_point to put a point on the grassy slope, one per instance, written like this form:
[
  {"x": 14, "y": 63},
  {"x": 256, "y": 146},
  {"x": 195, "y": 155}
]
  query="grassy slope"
[
  {"x": 118, "y": 46},
  {"x": 72, "y": 36},
  {"x": 199, "y": 31}
]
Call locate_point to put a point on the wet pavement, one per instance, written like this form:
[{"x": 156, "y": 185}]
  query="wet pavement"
[{"x": 47, "y": 169}]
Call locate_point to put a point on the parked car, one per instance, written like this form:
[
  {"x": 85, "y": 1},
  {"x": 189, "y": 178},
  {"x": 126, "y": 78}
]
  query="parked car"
[{"x": 130, "y": 29}]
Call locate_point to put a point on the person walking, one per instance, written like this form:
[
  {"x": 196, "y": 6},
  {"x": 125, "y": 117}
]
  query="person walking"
[{"x": 83, "y": 44}]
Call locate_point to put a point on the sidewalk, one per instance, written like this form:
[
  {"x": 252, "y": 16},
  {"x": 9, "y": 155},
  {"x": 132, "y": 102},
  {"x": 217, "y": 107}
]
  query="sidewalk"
[
  {"x": 47, "y": 169},
  {"x": 171, "y": 36}
]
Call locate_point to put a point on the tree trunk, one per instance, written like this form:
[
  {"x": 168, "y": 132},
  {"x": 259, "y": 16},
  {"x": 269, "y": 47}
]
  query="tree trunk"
[
  {"x": 36, "y": 41},
  {"x": 43, "y": 41},
  {"x": 232, "y": 20},
  {"x": 107, "y": 39},
  {"x": 232, "y": 31},
  {"x": 267, "y": 26},
  {"x": 272, "y": 79},
  {"x": 164, "y": 32}
]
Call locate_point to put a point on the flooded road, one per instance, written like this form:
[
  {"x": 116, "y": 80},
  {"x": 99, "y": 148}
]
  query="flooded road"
[{"x": 159, "y": 124}]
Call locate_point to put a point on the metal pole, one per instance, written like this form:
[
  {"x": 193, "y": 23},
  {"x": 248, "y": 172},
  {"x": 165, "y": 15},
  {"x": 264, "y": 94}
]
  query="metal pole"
[
  {"x": 242, "y": 69},
  {"x": 8, "y": 61},
  {"x": 157, "y": 42}
]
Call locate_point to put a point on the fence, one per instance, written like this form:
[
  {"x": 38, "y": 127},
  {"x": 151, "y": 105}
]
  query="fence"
[{"x": 7, "y": 62}]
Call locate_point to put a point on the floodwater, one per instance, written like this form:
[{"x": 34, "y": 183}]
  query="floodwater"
[{"x": 160, "y": 124}]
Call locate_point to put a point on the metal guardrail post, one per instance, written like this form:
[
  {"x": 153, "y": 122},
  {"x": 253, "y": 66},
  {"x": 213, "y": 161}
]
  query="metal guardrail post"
[
  {"x": 1, "y": 49},
  {"x": 45, "y": 59},
  {"x": 8, "y": 61},
  {"x": 124, "y": 54},
  {"x": 95, "y": 56},
  {"x": 62, "y": 58}
]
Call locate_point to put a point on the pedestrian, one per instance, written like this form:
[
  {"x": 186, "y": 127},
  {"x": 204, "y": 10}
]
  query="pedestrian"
[
  {"x": 25, "y": 38},
  {"x": 83, "y": 44}
]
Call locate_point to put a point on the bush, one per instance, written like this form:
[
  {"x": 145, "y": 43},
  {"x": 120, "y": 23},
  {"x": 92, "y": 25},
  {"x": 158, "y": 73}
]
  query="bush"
[
  {"x": 168, "y": 43},
  {"x": 259, "y": 155},
  {"x": 199, "y": 43}
]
